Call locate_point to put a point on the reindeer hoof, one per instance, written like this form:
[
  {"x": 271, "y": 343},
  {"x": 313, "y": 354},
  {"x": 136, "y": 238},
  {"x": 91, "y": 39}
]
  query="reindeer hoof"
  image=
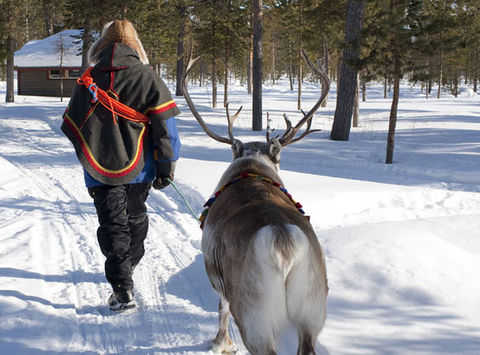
[{"x": 224, "y": 347}]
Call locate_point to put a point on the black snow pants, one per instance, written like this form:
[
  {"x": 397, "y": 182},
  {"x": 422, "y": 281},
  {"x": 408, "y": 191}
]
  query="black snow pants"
[{"x": 123, "y": 220}]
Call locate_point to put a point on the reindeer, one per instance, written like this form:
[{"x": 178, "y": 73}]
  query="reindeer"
[{"x": 261, "y": 254}]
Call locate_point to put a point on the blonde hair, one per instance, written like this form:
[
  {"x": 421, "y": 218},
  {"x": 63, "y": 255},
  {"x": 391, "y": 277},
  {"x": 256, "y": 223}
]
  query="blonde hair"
[{"x": 121, "y": 31}]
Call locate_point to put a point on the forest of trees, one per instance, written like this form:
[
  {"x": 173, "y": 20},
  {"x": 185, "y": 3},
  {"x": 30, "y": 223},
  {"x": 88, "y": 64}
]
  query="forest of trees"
[{"x": 434, "y": 43}]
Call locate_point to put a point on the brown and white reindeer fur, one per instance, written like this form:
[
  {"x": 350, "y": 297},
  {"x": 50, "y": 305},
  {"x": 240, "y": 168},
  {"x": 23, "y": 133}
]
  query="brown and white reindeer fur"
[
  {"x": 264, "y": 259},
  {"x": 261, "y": 254}
]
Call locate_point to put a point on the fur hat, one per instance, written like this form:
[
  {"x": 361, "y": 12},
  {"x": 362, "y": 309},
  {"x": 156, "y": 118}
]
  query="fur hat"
[{"x": 121, "y": 31}]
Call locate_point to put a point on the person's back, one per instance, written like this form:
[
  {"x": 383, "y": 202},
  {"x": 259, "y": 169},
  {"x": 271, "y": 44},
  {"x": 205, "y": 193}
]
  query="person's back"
[{"x": 122, "y": 155}]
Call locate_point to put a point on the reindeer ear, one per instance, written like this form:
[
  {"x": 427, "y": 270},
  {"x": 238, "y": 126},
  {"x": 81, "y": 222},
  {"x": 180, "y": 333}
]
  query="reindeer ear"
[
  {"x": 274, "y": 150},
  {"x": 237, "y": 149}
]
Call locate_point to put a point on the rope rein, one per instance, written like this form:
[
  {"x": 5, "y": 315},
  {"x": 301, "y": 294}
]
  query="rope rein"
[{"x": 183, "y": 198}]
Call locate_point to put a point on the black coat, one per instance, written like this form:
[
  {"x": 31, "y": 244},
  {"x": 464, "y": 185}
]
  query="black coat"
[{"x": 112, "y": 149}]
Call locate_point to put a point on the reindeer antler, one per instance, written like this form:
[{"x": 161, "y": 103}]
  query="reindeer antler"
[
  {"x": 231, "y": 119},
  {"x": 198, "y": 117},
  {"x": 288, "y": 137}
]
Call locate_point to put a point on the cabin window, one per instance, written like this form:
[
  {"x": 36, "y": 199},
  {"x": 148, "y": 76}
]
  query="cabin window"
[
  {"x": 73, "y": 74},
  {"x": 54, "y": 74}
]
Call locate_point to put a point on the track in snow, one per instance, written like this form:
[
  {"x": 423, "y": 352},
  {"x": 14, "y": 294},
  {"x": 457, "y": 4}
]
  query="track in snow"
[{"x": 49, "y": 222}]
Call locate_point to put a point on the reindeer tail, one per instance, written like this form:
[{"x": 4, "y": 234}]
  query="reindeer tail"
[{"x": 291, "y": 273}]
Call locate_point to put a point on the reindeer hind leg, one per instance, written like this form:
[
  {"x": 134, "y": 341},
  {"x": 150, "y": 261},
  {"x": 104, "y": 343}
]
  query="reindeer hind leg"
[
  {"x": 223, "y": 344},
  {"x": 262, "y": 312},
  {"x": 306, "y": 343},
  {"x": 257, "y": 332},
  {"x": 306, "y": 302}
]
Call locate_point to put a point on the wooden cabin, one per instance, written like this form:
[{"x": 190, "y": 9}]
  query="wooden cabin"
[{"x": 43, "y": 66}]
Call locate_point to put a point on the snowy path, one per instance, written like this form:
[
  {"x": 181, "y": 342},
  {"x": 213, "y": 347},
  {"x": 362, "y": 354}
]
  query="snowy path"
[
  {"x": 403, "y": 256},
  {"x": 49, "y": 225}
]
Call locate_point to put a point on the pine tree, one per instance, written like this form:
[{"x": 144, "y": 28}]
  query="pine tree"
[
  {"x": 445, "y": 47},
  {"x": 284, "y": 20},
  {"x": 207, "y": 36},
  {"x": 403, "y": 25},
  {"x": 20, "y": 22},
  {"x": 181, "y": 8},
  {"x": 325, "y": 19},
  {"x": 347, "y": 84},
  {"x": 88, "y": 16},
  {"x": 257, "y": 65},
  {"x": 11, "y": 12},
  {"x": 463, "y": 60},
  {"x": 3, "y": 37},
  {"x": 49, "y": 9},
  {"x": 220, "y": 32},
  {"x": 394, "y": 30}
]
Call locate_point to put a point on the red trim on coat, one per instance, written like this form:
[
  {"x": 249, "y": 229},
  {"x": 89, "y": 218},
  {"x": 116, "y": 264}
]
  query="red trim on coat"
[
  {"x": 87, "y": 116},
  {"x": 91, "y": 160},
  {"x": 162, "y": 109}
]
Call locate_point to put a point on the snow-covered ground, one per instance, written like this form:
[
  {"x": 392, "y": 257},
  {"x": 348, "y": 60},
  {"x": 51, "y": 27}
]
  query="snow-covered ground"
[{"x": 402, "y": 240}]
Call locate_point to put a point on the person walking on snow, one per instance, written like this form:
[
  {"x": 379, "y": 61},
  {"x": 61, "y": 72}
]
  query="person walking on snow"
[{"x": 122, "y": 148}]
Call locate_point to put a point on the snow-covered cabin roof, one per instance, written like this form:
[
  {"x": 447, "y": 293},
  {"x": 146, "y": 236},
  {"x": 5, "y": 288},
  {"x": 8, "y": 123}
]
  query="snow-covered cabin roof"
[{"x": 46, "y": 52}]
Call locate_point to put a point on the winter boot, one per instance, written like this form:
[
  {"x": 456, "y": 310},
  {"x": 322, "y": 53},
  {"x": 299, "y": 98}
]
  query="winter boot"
[{"x": 121, "y": 300}]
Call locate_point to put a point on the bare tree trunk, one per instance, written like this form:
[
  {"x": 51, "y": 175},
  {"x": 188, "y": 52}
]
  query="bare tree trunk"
[
  {"x": 48, "y": 19},
  {"x": 180, "y": 51},
  {"x": 249, "y": 68},
  {"x": 475, "y": 68},
  {"x": 214, "y": 82},
  {"x": 455, "y": 84},
  {"x": 11, "y": 24},
  {"x": 214, "y": 70},
  {"x": 27, "y": 23},
  {"x": 61, "y": 47},
  {"x": 61, "y": 83},
  {"x": 385, "y": 80},
  {"x": 300, "y": 46},
  {"x": 440, "y": 75},
  {"x": 290, "y": 66},
  {"x": 326, "y": 64},
  {"x": 426, "y": 83},
  {"x": 9, "y": 96},
  {"x": 290, "y": 75},
  {"x": 347, "y": 85},
  {"x": 300, "y": 80},
  {"x": 225, "y": 81},
  {"x": 356, "y": 104},
  {"x": 364, "y": 90},
  {"x": 257, "y": 65},
  {"x": 430, "y": 75},
  {"x": 86, "y": 39},
  {"x": 394, "y": 108},
  {"x": 273, "y": 60},
  {"x": 227, "y": 59},
  {"x": 339, "y": 67},
  {"x": 467, "y": 69}
]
